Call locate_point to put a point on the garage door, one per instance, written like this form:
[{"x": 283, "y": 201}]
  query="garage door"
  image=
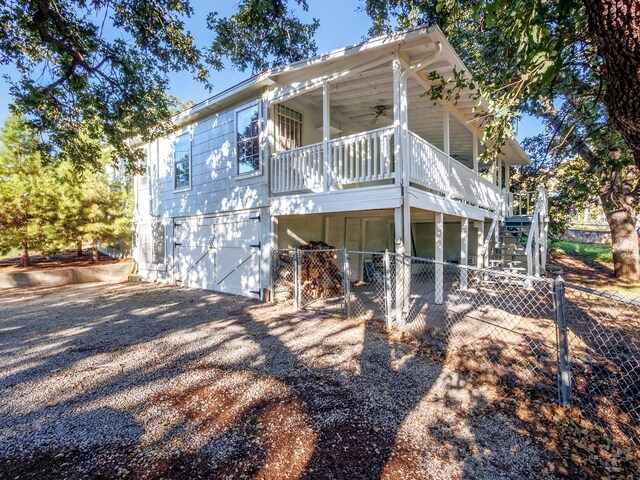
[{"x": 219, "y": 253}]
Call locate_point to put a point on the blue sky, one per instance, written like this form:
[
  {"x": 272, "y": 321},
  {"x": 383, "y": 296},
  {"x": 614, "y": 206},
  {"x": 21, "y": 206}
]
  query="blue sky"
[{"x": 341, "y": 24}]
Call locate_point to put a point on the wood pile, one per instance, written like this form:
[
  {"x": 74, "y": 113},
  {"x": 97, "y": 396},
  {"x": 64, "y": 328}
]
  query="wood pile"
[
  {"x": 319, "y": 275},
  {"x": 283, "y": 283}
]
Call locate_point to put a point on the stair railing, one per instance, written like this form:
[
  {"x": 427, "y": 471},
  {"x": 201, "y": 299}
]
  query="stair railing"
[
  {"x": 536, "y": 249},
  {"x": 493, "y": 229}
]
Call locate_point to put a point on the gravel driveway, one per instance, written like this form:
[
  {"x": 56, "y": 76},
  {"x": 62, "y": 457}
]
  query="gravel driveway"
[{"x": 144, "y": 381}]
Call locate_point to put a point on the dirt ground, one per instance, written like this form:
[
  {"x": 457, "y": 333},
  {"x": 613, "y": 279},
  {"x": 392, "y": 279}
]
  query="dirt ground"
[
  {"x": 62, "y": 259},
  {"x": 144, "y": 381},
  {"x": 591, "y": 274}
]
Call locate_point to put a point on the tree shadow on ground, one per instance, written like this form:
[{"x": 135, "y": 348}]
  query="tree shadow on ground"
[{"x": 215, "y": 385}]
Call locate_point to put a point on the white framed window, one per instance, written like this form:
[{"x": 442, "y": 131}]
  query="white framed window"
[
  {"x": 182, "y": 162},
  {"x": 151, "y": 241},
  {"x": 289, "y": 128},
  {"x": 143, "y": 181},
  {"x": 247, "y": 120}
]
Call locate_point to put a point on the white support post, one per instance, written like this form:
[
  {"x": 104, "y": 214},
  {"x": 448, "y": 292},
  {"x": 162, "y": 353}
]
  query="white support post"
[
  {"x": 500, "y": 173},
  {"x": 446, "y": 140},
  {"x": 402, "y": 214},
  {"x": 397, "y": 121},
  {"x": 400, "y": 282},
  {"x": 406, "y": 167},
  {"x": 464, "y": 249},
  {"x": 507, "y": 176},
  {"x": 479, "y": 246},
  {"x": 326, "y": 136},
  {"x": 447, "y": 146},
  {"x": 439, "y": 277},
  {"x": 475, "y": 152}
]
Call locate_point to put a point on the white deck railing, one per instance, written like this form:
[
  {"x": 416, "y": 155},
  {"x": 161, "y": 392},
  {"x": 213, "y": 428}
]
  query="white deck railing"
[
  {"x": 297, "y": 169},
  {"x": 368, "y": 157},
  {"x": 361, "y": 158},
  {"x": 434, "y": 169}
]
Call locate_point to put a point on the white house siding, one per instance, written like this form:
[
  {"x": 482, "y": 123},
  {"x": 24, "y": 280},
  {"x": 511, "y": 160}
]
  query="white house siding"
[{"x": 216, "y": 192}]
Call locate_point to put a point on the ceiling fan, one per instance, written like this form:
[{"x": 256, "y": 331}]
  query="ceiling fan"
[{"x": 378, "y": 112}]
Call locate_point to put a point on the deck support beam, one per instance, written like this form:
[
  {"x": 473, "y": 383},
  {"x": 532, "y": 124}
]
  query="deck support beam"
[
  {"x": 439, "y": 276},
  {"x": 326, "y": 135},
  {"x": 480, "y": 244},
  {"x": 402, "y": 214},
  {"x": 464, "y": 251},
  {"x": 446, "y": 140},
  {"x": 507, "y": 176},
  {"x": 475, "y": 152}
]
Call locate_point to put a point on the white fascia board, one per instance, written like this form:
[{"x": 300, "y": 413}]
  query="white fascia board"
[
  {"x": 436, "y": 203},
  {"x": 366, "y": 198},
  {"x": 382, "y": 40},
  {"x": 521, "y": 153}
]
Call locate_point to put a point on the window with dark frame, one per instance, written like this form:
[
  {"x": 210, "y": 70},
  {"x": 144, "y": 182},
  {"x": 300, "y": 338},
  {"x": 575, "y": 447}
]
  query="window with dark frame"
[
  {"x": 248, "y": 139},
  {"x": 182, "y": 162},
  {"x": 289, "y": 128}
]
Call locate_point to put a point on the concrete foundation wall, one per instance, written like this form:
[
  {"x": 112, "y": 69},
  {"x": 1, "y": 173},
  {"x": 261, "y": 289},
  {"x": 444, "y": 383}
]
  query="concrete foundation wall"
[{"x": 113, "y": 273}]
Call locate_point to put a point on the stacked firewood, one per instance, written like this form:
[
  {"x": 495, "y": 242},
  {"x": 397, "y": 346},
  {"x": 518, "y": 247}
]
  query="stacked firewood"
[
  {"x": 283, "y": 283},
  {"x": 319, "y": 275}
]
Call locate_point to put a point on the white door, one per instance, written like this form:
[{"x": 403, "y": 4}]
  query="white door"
[{"x": 219, "y": 253}]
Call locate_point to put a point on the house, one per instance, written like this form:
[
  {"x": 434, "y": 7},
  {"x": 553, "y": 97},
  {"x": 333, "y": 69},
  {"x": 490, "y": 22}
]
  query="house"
[{"x": 343, "y": 148}]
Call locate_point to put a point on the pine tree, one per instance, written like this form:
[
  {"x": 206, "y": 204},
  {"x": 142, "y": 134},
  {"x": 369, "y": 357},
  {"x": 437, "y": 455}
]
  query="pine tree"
[
  {"x": 94, "y": 208},
  {"x": 28, "y": 200}
]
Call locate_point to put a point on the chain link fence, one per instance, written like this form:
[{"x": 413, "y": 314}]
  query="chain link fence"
[
  {"x": 604, "y": 352},
  {"x": 547, "y": 337}
]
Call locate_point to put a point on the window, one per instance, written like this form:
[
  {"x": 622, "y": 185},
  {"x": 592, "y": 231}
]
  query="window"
[
  {"x": 248, "y": 139},
  {"x": 289, "y": 128},
  {"x": 151, "y": 243},
  {"x": 182, "y": 162},
  {"x": 143, "y": 182}
]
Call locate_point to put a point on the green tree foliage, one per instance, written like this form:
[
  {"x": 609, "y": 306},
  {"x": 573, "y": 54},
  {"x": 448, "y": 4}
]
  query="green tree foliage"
[
  {"x": 28, "y": 196},
  {"x": 49, "y": 207},
  {"x": 571, "y": 185},
  {"x": 94, "y": 208},
  {"x": 263, "y": 33},
  {"x": 553, "y": 60},
  {"x": 101, "y": 67}
]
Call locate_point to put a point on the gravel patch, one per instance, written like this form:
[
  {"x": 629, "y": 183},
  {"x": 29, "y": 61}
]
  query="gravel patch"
[{"x": 144, "y": 381}]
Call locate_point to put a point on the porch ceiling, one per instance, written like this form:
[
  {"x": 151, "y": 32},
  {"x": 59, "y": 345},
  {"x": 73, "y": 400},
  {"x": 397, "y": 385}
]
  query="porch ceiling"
[{"x": 355, "y": 99}]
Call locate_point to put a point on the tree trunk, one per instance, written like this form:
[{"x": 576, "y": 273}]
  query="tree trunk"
[
  {"x": 624, "y": 243},
  {"x": 614, "y": 26},
  {"x": 26, "y": 261},
  {"x": 79, "y": 248},
  {"x": 96, "y": 254}
]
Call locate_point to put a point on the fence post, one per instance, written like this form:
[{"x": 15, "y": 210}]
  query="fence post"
[
  {"x": 297, "y": 274},
  {"x": 564, "y": 365},
  {"x": 346, "y": 278},
  {"x": 387, "y": 288}
]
